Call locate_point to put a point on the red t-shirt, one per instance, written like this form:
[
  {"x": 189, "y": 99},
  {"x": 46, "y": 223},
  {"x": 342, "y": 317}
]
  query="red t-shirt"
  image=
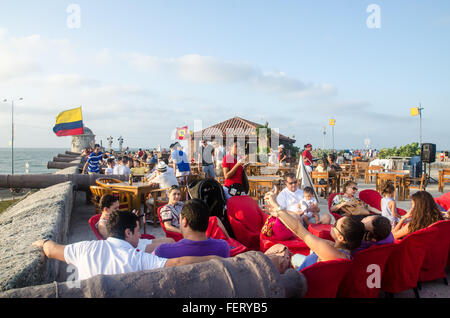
[
  {"x": 228, "y": 162},
  {"x": 307, "y": 154}
]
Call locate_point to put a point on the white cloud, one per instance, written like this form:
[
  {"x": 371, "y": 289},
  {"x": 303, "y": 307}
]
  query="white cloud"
[
  {"x": 104, "y": 57},
  {"x": 205, "y": 69},
  {"x": 21, "y": 56}
]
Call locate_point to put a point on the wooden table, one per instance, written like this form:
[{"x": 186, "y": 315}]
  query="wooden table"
[
  {"x": 259, "y": 185},
  {"x": 400, "y": 186},
  {"x": 136, "y": 189}
]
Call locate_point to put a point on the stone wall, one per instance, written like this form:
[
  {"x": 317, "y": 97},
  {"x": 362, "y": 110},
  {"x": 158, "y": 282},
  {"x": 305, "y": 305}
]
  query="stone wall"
[{"x": 44, "y": 214}]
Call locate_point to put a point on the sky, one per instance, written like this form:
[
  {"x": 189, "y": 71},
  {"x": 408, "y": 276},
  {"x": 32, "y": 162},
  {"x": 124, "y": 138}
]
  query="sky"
[{"x": 140, "y": 69}]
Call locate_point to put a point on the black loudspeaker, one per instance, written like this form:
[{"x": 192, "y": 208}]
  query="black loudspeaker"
[{"x": 428, "y": 153}]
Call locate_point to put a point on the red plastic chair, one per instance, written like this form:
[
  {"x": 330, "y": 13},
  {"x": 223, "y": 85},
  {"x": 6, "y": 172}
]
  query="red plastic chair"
[
  {"x": 356, "y": 282},
  {"x": 371, "y": 197},
  {"x": 330, "y": 200},
  {"x": 321, "y": 230},
  {"x": 324, "y": 278},
  {"x": 175, "y": 235},
  {"x": 435, "y": 260},
  {"x": 403, "y": 266},
  {"x": 215, "y": 232},
  {"x": 444, "y": 201},
  {"x": 94, "y": 220},
  {"x": 246, "y": 219}
]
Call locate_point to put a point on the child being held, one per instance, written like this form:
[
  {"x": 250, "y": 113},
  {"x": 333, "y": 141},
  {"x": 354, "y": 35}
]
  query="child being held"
[{"x": 309, "y": 207}]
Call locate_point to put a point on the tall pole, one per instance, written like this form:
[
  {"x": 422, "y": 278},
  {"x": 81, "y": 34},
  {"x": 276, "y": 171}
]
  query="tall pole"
[
  {"x": 324, "y": 134},
  {"x": 420, "y": 124},
  {"x": 12, "y": 137},
  {"x": 332, "y": 127}
]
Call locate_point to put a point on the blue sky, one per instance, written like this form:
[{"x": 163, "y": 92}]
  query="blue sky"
[{"x": 141, "y": 69}]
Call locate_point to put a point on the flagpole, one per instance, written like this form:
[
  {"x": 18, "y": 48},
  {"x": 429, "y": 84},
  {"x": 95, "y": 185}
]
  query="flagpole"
[{"x": 420, "y": 124}]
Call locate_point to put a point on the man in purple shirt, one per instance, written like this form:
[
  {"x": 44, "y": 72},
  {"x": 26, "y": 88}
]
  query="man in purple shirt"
[
  {"x": 194, "y": 220},
  {"x": 378, "y": 232}
]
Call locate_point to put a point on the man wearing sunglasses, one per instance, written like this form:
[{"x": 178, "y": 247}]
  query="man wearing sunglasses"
[{"x": 290, "y": 197}]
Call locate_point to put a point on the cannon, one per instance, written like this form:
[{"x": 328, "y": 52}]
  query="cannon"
[
  {"x": 62, "y": 165},
  {"x": 81, "y": 182},
  {"x": 248, "y": 275},
  {"x": 76, "y": 154},
  {"x": 65, "y": 159},
  {"x": 63, "y": 155}
]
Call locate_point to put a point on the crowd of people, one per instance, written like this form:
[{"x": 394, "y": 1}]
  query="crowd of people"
[{"x": 291, "y": 211}]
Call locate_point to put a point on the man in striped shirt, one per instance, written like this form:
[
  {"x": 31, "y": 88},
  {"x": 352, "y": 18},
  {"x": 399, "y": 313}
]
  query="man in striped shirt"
[{"x": 93, "y": 161}]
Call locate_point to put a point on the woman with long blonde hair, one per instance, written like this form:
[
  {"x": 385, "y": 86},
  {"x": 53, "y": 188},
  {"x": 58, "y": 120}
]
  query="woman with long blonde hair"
[{"x": 423, "y": 213}]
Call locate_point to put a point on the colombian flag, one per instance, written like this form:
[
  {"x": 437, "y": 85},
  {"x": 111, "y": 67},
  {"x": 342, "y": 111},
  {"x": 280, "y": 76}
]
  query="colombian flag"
[
  {"x": 181, "y": 133},
  {"x": 69, "y": 123}
]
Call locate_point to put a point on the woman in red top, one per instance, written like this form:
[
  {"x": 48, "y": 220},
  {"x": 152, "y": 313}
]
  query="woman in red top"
[
  {"x": 232, "y": 168},
  {"x": 307, "y": 157}
]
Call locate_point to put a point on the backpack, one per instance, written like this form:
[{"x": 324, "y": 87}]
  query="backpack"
[{"x": 211, "y": 192}]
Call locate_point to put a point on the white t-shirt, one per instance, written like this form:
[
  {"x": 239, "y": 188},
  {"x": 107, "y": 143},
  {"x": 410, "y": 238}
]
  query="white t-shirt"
[
  {"x": 289, "y": 200},
  {"x": 121, "y": 169},
  {"x": 109, "y": 257},
  {"x": 166, "y": 180},
  {"x": 219, "y": 153},
  {"x": 109, "y": 171}
]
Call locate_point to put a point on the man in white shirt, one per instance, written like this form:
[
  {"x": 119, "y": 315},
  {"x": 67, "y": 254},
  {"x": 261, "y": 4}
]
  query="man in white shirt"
[
  {"x": 290, "y": 197},
  {"x": 116, "y": 255},
  {"x": 163, "y": 178},
  {"x": 121, "y": 168}
]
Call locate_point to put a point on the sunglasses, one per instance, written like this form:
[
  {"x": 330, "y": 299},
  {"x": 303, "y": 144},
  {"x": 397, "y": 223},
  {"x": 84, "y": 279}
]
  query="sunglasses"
[
  {"x": 355, "y": 188},
  {"x": 291, "y": 183},
  {"x": 334, "y": 226}
]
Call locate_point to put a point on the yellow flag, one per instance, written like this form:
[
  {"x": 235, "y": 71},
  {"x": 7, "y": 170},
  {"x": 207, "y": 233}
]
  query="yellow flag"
[
  {"x": 415, "y": 111},
  {"x": 332, "y": 122}
]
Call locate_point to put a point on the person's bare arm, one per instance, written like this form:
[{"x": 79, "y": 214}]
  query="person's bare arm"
[
  {"x": 400, "y": 231},
  {"x": 230, "y": 173},
  {"x": 169, "y": 227},
  {"x": 186, "y": 260},
  {"x": 51, "y": 249},
  {"x": 317, "y": 245},
  {"x": 393, "y": 208},
  {"x": 84, "y": 167}
]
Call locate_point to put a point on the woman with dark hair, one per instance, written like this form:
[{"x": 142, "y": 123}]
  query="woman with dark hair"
[
  {"x": 347, "y": 233},
  {"x": 423, "y": 213}
]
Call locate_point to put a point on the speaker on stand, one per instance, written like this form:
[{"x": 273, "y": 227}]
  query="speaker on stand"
[{"x": 428, "y": 156}]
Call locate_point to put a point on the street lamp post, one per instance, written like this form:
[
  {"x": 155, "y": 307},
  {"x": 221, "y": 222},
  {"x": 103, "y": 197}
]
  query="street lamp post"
[{"x": 12, "y": 133}]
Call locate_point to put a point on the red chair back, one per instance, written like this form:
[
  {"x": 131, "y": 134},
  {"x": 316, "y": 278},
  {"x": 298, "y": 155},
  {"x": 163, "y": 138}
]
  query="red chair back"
[
  {"x": 371, "y": 197},
  {"x": 444, "y": 201},
  {"x": 321, "y": 230},
  {"x": 403, "y": 265},
  {"x": 324, "y": 278},
  {"x": 364, "y": 280},
  {"x": 176, "y": 236},
  {"x": 94, "y": 220},
  {"x": 330, "y": 200},
  {"x": 246, "y": 220},
  {"x": 435, "y": 260},
  {"x": 215, "y": 232}
]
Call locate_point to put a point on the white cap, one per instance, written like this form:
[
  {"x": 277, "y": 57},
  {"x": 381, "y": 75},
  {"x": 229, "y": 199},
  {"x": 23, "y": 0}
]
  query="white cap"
[
  {"x": 161, "y": 166},
  {"x": 281, "y": 146}
]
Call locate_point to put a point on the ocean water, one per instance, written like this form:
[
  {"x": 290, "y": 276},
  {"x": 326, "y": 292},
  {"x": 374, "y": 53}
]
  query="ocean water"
[{"x": 36, "y": 158}]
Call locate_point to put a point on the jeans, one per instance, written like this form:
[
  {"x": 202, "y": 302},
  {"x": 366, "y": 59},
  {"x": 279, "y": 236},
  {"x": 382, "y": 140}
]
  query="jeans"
[{"x": 209, "y": 171}]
